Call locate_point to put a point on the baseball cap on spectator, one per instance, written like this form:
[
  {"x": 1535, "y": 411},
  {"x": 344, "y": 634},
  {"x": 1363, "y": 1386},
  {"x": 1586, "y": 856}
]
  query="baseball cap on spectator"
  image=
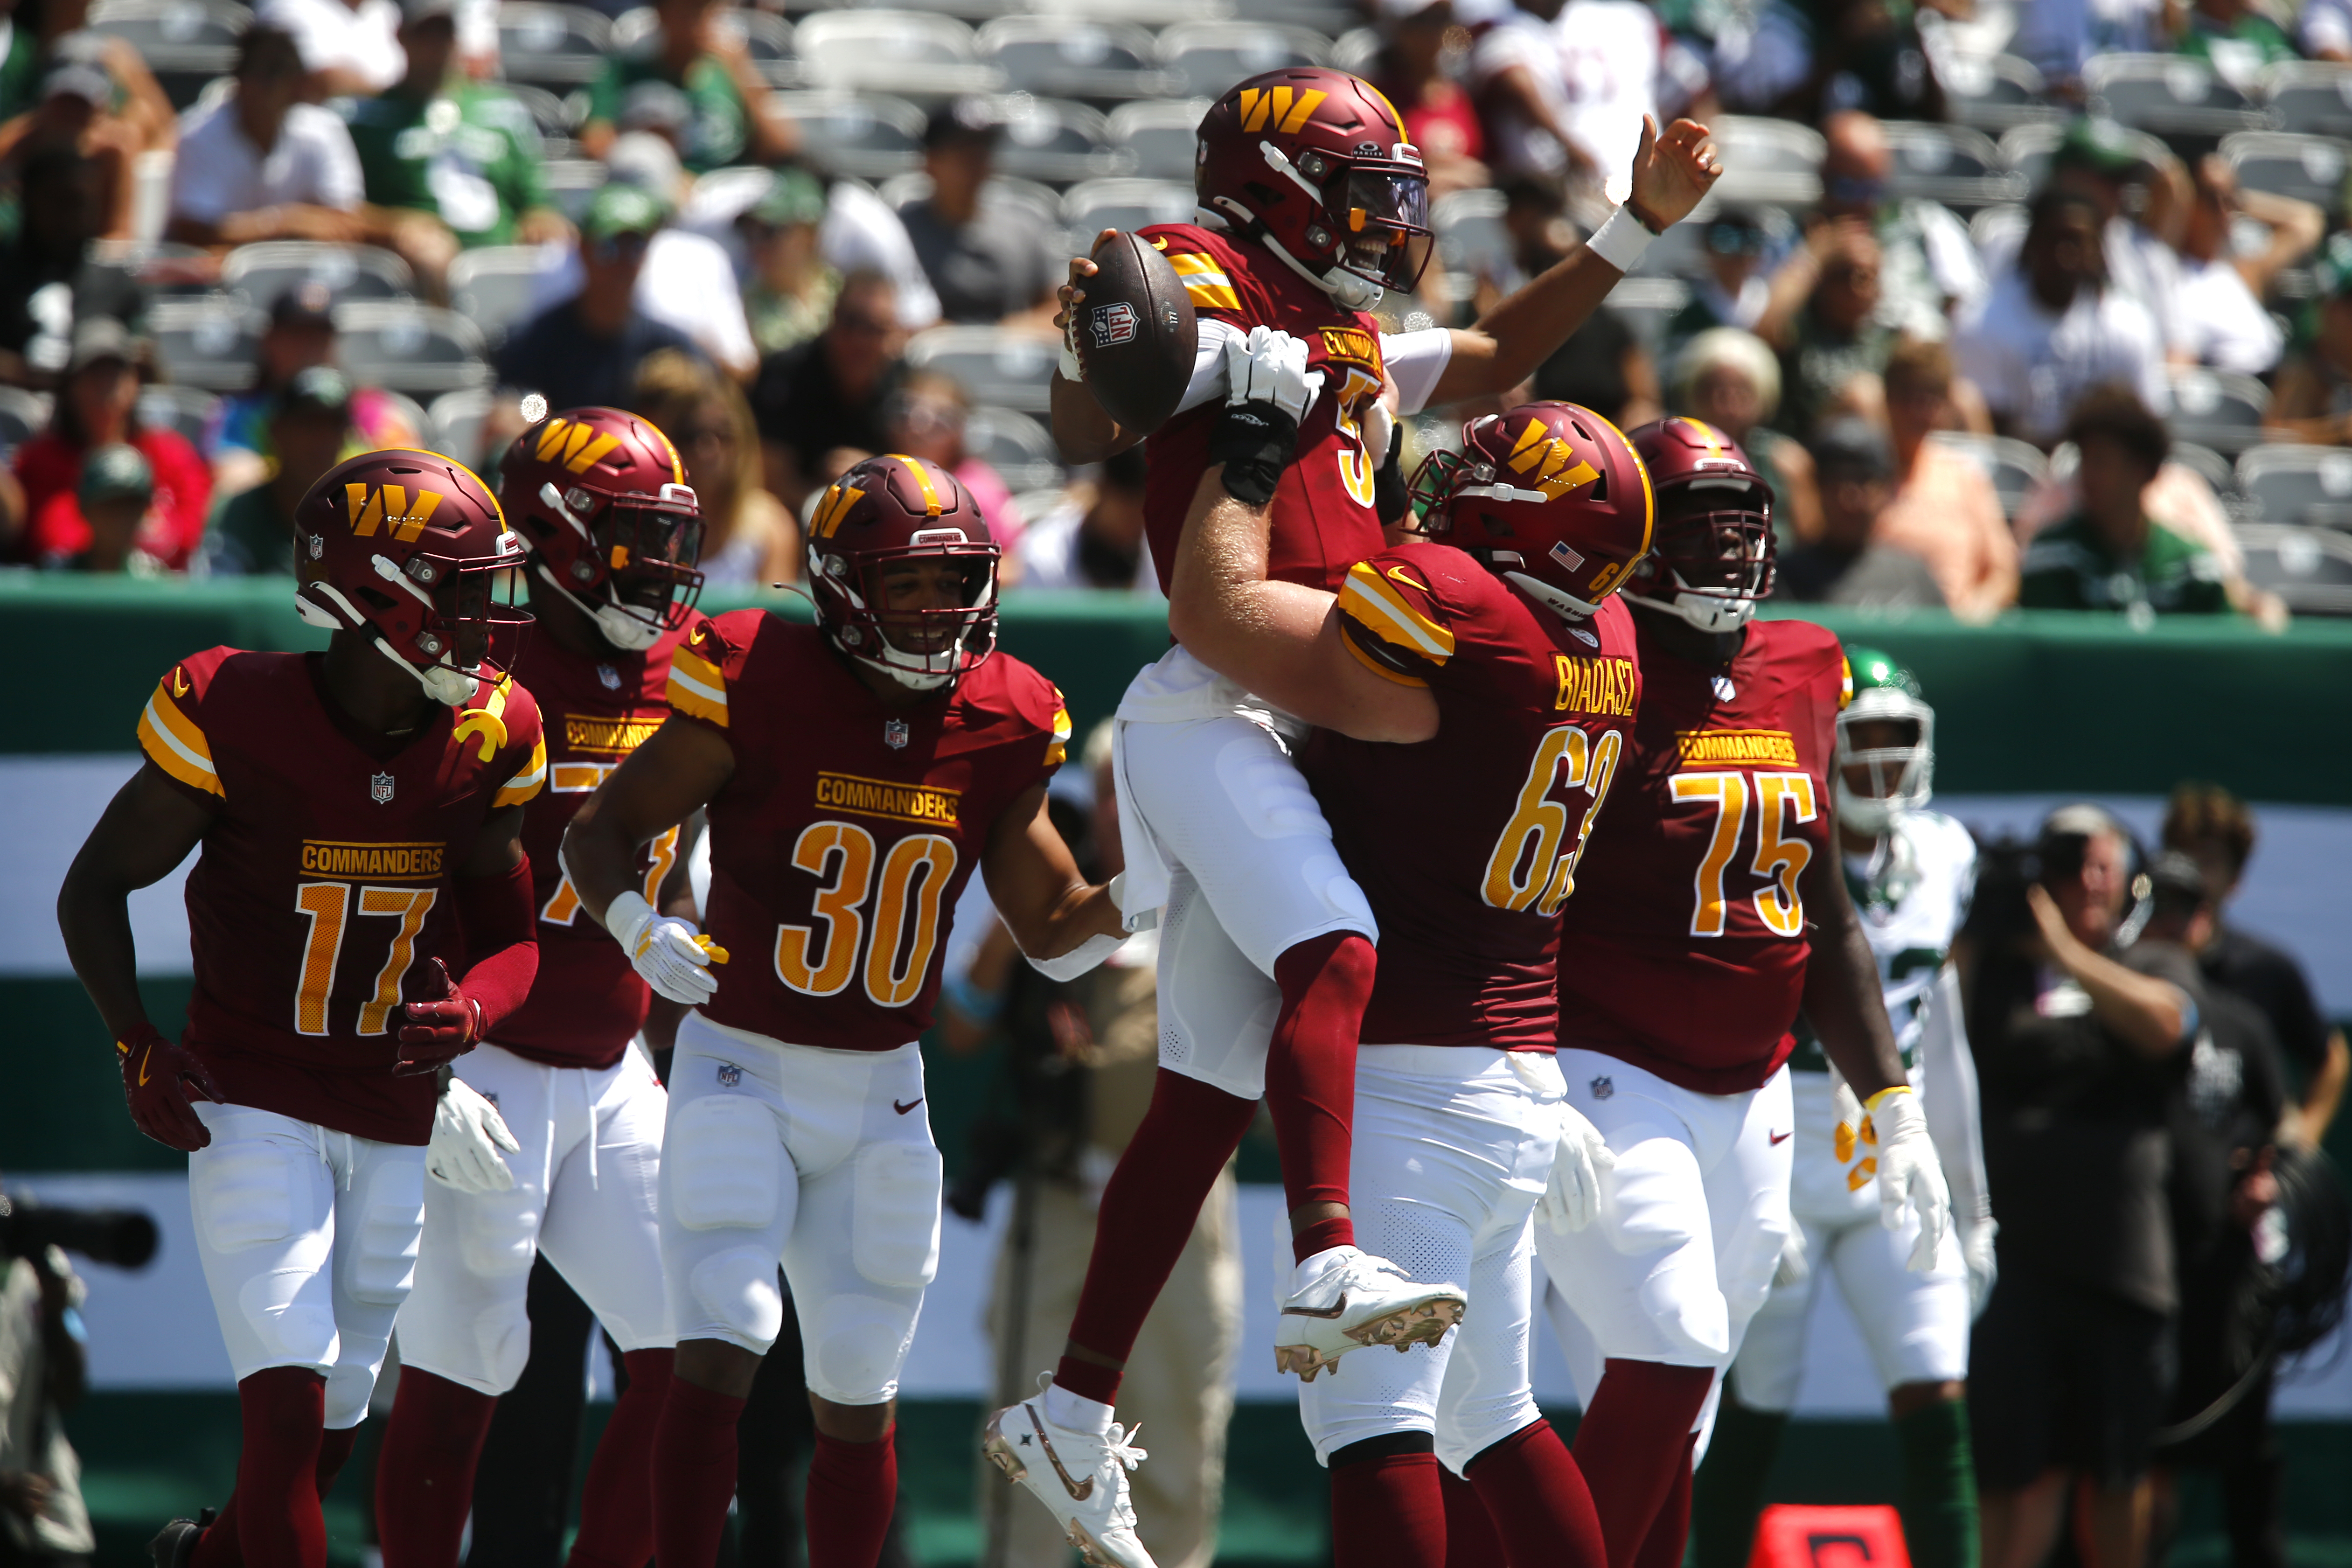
[
  {"x": 646, "y": 159},
  {"x": 320, "y": 389},
  {"x": 2178, "y": 883},
  {"x": 619, "y": 208},
  {"x": 115, "y": 473},
  {"x": 79, "y": 79},
  {"x": 795, "y": 197},
  {"x": 101, "y": 337},
  {"x": 308, "y": 303},
  {"x": 962, "y": 121},
  {"x": 656, "y": 106},
  {"x": 1852, "y": 448},
  {"x": 2101, "y": 146}
]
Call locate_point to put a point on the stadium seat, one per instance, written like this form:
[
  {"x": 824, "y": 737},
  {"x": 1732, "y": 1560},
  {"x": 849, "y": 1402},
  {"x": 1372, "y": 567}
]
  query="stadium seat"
[
  {"x": 2309, "y": 98},
  {"x": 2028, "y": 149},
  {"x": 572, "y": 182},
  {"x": 1019, "y": 448},
  {"x": 1471, "y": 242},
  {"x": 1160, "y": 135},
  {"x": 559, "y": 46},
  {"x": 1029, "y": 201},
  {"x": 2310, "y": 568},
  {"x": 493, "y": 287},
  {"x": 1067, "y": 58},
  {"x": 864, "y": 135},
  {"x": 2170, "y": 95},
  {"x": 22, "y": 416},
  {"x": 1099, "y": 205},
  {"x": 1996, "y": 94},
  {"x": 453, "y": 424},
  {"x": 1209, "y": 56},
  {"x": 1775, "y": 161},
  {"x": 262, "y": 272},
  {"x": 207, "y": 340},
  {"x": 186, "y": 43},
  {"x": 1953, "y": 165},
  {"x": 911, "y": 52},
  {"x": 2290, "y": 484},
  {"x": 2215, "y": 409},
  {"x": 2208, "y": 465},
  {"x": 1056, "y": 141},
  {"x": 2014, "y": 466},
  {"x": 766, "y": 37},
  {"x": 420, "y": 350},
  {"x": 555, "y": 119},
  {"x": 995, "y": 365},
  {"x": 187, "y": 409},
  {"x": 2308, "y": 168},
  {"x": 1357, "y": 50},
  {"x": 1329, "y": 17},
  {"x": 1647, "y": 304}
]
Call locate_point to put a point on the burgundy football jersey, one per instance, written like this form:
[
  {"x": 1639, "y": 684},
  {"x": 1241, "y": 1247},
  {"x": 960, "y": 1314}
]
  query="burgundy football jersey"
[
  {"x": 587, "y": 1000},
  {"x": 1685, "y": 952},
  {"x": 848, "y": 829},
  {"x": 1323, "y": 518},
  {"x": 1467, "y": 844},
  {"x": 321, "y": 889}
]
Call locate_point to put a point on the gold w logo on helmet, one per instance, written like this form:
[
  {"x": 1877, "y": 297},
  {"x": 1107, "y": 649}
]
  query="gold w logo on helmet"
[
  {"x": 390, "y": 505},
  {"x": 1550, "y": 461},
  {"x": 574, "y": 445},
  {"x": 1287, "y": 109},
  {"x": 832, "y": 508}
]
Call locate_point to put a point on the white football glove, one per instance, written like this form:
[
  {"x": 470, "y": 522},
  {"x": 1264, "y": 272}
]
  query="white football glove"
[
  {"x": 673, "y": 956},
  {"x": 1909, "y": 1175},
  {"x": 467, "y": 1134},
  {"x": 1270, "y": 366},
  {"x": 1572, "y": 1197},
  {"x": 1977, "y": 1252}
]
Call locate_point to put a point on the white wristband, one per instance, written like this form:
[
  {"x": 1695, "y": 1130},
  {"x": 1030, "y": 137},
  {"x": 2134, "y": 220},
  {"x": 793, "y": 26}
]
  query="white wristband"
[
  {"x": 1620, "y": 241},
  {"x": 1077, "y": 961},
  {"x": 627, "y": 917}
]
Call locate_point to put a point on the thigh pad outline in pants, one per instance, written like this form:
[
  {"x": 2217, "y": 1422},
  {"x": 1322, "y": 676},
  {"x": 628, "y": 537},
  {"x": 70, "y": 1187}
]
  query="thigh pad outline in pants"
[
  {"x": 603, "y": 1228},
  {"x": 378, "y": 1223},
  {"x": 1217, "y": 1009},
  {"x": 1916, "y": 1325},
  {"x": 1228, "y": 804},
  {"x": 866, "y": 1241},
  {"x": 262, "y": 1197},
  {"x": 1771, "y": 1361},
  {"x": 727, "y": 1195}
]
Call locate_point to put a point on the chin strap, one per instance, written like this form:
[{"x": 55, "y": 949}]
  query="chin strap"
[{"x": 1347, "y": 291}]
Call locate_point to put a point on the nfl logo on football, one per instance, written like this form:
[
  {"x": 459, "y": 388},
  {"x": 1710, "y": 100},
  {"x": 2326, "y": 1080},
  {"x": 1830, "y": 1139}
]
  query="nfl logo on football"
[
  {"x": 380, "y": 788},
  {"x": 1113, "y": 324},
  {"x": 730, "y": 1075},
  {"x": 1602, "y": 1088}
]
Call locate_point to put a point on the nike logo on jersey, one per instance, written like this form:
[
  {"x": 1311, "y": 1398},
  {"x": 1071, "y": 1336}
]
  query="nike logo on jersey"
[
  {"x": 178, "y": 681},
  {"x": 910, "y": 1105},
  {"x": 1398, "y": 574},
  {"x": 1779, "y": 1138}
]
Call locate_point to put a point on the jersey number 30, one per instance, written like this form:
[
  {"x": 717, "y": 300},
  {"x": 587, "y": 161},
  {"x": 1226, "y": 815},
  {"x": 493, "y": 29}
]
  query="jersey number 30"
[
  {"x": 1779, "y": 861},
  {"x": 905, "y": 913}
]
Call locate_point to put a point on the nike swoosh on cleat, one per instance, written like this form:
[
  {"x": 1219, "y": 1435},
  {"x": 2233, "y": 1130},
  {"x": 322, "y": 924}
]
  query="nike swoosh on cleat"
[
  {"x": 1317, "y": 1311},
  {"x": 1079, "y": 1490},
  {"x": 1780, "y": 1138},
  {"x": 910, "y": 1105}
]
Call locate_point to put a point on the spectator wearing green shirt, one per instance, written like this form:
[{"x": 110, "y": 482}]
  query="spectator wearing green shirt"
[
  {"x": 2235, "y": 38},
  {"x": 690, "y": 52},
  {"x": 789, "y": 298},
  {"x": 447, "y": 162},
  {"x": 2110, "y": 555}
]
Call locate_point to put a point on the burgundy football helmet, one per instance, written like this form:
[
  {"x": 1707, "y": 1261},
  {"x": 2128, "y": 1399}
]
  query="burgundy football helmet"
[
  {"x": 1550, "y": 495},
  {"x": 885, "y": 511},
  {"x": 1314, "y": 164},
  {"x": 404, "y": 547},
  {"x": 602, "y": 501},
  {"x": 1713, "y": 561}
]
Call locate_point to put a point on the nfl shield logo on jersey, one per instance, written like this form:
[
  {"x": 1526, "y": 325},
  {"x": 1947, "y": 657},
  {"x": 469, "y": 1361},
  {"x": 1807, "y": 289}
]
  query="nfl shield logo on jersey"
[
  {"x": 730, "y": 1075},
  {"x": 609, "y": 676},
  {"x": 380, "y": 788},
  {"x": 1602, "y": 1088},
  {"x": 894, "y": 734}
]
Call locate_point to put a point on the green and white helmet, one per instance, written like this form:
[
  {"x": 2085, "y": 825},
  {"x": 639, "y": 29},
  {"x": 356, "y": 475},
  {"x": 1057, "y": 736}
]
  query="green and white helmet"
[{"x": 1901, "y": 777}]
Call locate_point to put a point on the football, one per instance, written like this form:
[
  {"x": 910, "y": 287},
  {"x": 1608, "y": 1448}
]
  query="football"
[{"x": 1136, "y": 334}]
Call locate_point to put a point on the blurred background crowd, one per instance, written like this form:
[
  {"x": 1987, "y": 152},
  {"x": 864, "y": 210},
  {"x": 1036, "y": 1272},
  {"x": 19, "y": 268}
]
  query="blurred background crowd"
[{"x": 2032, "y": 303}]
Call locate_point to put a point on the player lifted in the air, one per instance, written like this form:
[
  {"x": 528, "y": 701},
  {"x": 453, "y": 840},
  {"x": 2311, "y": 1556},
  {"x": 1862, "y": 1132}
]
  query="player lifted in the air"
[
  {"x": 1711, "y": 910},
  {"x": 359, "y": 814},
  {"x": 1911, "y": 870},
  {"x": 855, "y": 772},
  {"x": 1312, "y": 205},
  {"x": 599, "y": 499}
]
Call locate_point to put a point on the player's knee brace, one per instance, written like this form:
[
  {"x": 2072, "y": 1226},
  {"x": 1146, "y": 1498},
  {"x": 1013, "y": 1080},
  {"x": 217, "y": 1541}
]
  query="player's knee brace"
[
  {"x": 738, "y": 1288},
  {"x": 723, "y": 1156},
  {"x": 857, "y": 1345},
  {"x": 894, "y": 1235}
]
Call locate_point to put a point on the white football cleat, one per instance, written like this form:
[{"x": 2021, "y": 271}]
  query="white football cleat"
[
  {"x": 1357, "y": 1300},
  {"x": 1081, "y": 1477}
]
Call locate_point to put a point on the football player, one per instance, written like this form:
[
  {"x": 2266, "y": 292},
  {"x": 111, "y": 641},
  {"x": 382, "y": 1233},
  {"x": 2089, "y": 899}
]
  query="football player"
[
  {"x": 600, "y": 500},
  {"x": 855, "y": 772},
  {"x": 1313, "y": 203},
  {"x": 361, "y": 915},
  {"x": 1911, "y": 871},
  {"x": 1708, "y": 914}
]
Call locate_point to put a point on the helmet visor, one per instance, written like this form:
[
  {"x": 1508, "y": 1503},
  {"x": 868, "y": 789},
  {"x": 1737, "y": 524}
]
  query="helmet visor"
[
  {"x": 475, "y": 610},
  {"x": 651, "y": 552},
  {"x": 1384, "y": 219}
]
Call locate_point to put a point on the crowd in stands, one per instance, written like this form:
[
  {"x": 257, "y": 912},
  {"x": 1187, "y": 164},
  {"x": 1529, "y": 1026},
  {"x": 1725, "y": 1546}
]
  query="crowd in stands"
[{"x": 2091, "y": 364}]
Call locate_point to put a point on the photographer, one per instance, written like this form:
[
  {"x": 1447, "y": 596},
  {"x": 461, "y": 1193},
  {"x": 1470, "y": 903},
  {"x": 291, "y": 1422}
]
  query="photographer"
[
  {"x": 42, "y": 1375},
  {"x": 2081, "y": 1051},
  {"x": 1080, "y": 1057}
]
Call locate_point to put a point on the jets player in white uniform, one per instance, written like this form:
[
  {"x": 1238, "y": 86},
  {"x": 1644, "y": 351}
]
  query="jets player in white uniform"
[{"x": 1911, "y": 871}]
